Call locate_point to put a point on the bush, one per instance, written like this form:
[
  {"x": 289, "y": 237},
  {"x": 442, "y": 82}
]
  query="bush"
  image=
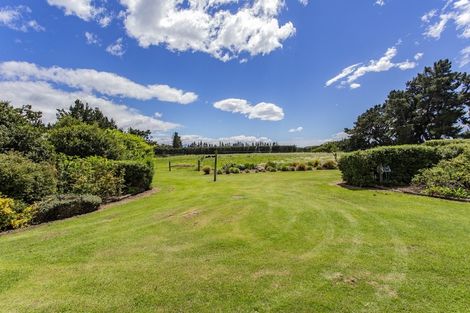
[
  {"x": 24, "y": 180},
  {"x": 241, "y": 167},
  {"x": 206, "y": 170},
  {"x": 284, "y": 168},
  {"x": 309, "y": 168},
  {"x": 360, "y": 168},
  {"x": 301, "y": 167},
  {"x": 329, "y": 165},
  {"x": 234, "y": 170},
  {"x": 247, "y": 171},
  {"x": 292, "y": 168},
  {"x": 219, "y": 172},
  {"x": 449, "y": 178},
  {"x": 138, "y": 175},
  {"x": 14, "y": 214},
  {"x": 250, "y": 166},
  {"x": 446, "y": 142},
  {"x": 314, "y": 163},
  {"x": 94, "y": 175},
  {"x": 64, "y": 206}
]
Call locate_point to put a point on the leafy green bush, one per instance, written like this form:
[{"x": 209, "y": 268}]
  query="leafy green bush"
[
  {"x": 92, "y": 175},
  {"x": 206, "y": 170},
  {"x": 360, "y": 168},
  {"x": 250, "y": 166},
  {"x": 284, "y": 168},
  {"x": 314, "y": 163},
  {"x": 22, "y": 179},
  {"x": 234, "y": 170},
  {"x": 329, "y": 165},
  {"x": 440, "y": 142},
  {"x": 219, "y": 172},
  {"x": 309, "y": 168},
  {"x": 449, "y": 178},
  {"x": 138, "y": 175},
  {"x": 85, "y": 140},
  {"x": 64, "y": 206},
  {"x": 14, "y": 214},
  {"x": 130, "y": 147}
]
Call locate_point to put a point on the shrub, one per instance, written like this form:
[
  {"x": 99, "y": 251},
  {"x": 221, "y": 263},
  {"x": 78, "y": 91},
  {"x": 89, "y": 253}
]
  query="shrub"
[
  {"x": 64, "y": 206},
  {"x": 292, "y": 168},
  {"x": 138, "y": 175},
  {"x": 206, "y": 170},
  {"x": 449, "y": 178},
  {"x": 301, "y": 167},
  {"x": 309, "y": 168},
  {"x": 360, "y": 168},
  {"x": 250, "y": 166},
  {"x": 94, "y": 175},
  {"x": 241, "y": 167},
  {"x": 129, "y": 146},
  {"x": 219, "y": 172},
  {"x": 314, "y": 163},
  {"x": 247, "y": 171},
  {"x": 284, "y": 168},
  {"x": 446, "y": 142},
  {"x": 14, "y": 214},
  {"x": 329, "y": 165},
  {"x": 85, "y": 140},
  {"x": 22, "y": 179},
  {"x": 234, "y": 170},
  {"x": 271, "y": 164}
]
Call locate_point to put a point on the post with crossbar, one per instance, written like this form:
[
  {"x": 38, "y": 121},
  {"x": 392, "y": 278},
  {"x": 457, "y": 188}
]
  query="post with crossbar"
[{"x": 215, "y": 166}]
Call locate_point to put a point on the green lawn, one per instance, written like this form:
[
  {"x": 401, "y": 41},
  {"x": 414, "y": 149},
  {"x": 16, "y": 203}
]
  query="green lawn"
[{"x": 280, "y": 242}]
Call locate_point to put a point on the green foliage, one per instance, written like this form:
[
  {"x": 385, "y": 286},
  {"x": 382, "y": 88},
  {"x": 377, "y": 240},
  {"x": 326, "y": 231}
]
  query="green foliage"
[
  {"x": 85, "y": 114},
  {"x": 85, "y": 140},
  {"x": 329, "y": 165},
  {"x": 284, "y": 168},
  {"x": 314, "y": 163},
  {"x": 14, "y": 214},
  {"x": 129, "y": 146},
  {"x": 360, "y": 168},
  {"x": 92, "y": 175},
  {"x": 22, "y": 130},
  {"x": 206, "y": 170},
  {"x": 234, "y": 170},
  {"x": 433, "y": 106},
  {"x": 177, "y": 143},
  {"x": 22, "y": 179},
  {"x": 138, "y": 175},
  {"x": 449, "y": 178},
  {"x": 65, "y": 206}
]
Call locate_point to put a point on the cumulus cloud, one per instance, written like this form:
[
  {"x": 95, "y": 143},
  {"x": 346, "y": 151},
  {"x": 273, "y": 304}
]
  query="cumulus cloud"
[
  {"x": 116, "y": 48},
  {"x": 221, "y": 28},
  {"x": 418, "y": 56},
  {"x": 296, "y": 130},
  {"x": 90, "y": 80},
  {"x": 188, "y": 139},
  {"x": 351, "y": 74},
  {"x": 456, "y": 11},
  {"x": 84, "y": 9},
  {"x": 380, "y": 2},
  {"x": 18, "y": 18},
  {"x": 45, "y": 98},
  {"x": 262, "y": 111}
]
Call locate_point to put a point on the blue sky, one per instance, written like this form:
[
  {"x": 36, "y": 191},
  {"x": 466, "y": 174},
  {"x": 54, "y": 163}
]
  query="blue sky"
[{"x": 225, "y": 69}]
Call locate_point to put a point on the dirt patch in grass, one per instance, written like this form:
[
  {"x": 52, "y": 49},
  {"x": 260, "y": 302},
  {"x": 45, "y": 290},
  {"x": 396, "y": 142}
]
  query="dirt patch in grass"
[
  {"x": 129, "y": 198},
  {"x": 191, "y": 214}
]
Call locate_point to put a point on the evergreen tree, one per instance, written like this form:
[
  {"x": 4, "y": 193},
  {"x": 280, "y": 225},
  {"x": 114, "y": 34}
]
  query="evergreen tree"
[
  {"x": 84, "y": 113},
  {"x": 177, "y": 143}
]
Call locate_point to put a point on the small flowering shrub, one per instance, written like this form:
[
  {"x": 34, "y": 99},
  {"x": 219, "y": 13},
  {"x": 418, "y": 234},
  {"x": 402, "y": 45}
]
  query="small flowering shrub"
[{"x": 14, "y": 214}]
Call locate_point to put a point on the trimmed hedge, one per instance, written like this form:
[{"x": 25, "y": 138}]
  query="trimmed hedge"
[
  {"x": 138, "y": 175},
  {"x": 22, "y": 179},
  {"x": 65, "y": 206},
  {"x": 449, "y": 178},
  {"x": 360, "y": 168}
]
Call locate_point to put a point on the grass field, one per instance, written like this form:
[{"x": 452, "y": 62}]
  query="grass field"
[{"x": 267, "y": 242}]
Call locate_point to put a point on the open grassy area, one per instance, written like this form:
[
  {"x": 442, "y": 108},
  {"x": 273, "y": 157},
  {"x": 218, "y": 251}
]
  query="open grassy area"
[{"x": 282, "y": 242}]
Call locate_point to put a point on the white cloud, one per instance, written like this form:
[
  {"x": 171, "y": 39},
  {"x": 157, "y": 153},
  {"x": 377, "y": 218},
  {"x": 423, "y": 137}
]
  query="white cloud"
[
  {"x": 81, "y": 8},
  {"x": 116, "y": 48},
  {"x": 91, "y": 39},
  {"x": 90, "y": 80},
  {"x": 18, "y": 18},
  {"x": 304, "y": 2},
  {"x": 380, "y": 2},
  {"x": 158, "y": 115},
  {"x": 84, "y": 9},
  {"x": 457, "y": 11},
  {"x": 296, "y": 130},
  {"x": 418, "y": 56},
  {"x": 215, "y": 27},
  {"x": 465, "y": 56},
  {"x": 351, "y": 74},
  {"x": 45, "y": 98},
  {"x": 188, "y": 139},
  {"x": 263, "y": 111}
]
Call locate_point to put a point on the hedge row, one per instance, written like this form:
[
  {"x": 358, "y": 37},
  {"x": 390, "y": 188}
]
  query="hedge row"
[{"x": 360, "y": 168}]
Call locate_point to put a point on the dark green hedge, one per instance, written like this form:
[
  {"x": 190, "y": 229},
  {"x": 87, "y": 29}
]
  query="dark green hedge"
[
  {"x": 22, "y": 179},
  {"x": 138, "y": 175},
  {"x": 360, "y": 168},
  {"x": 64, "y": 206}
]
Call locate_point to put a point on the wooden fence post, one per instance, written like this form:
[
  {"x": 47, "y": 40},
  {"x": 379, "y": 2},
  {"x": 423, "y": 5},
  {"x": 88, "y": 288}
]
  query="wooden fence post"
[
  {"x": 169, "y": 166},
  {"x": 215, "y": 167}
]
